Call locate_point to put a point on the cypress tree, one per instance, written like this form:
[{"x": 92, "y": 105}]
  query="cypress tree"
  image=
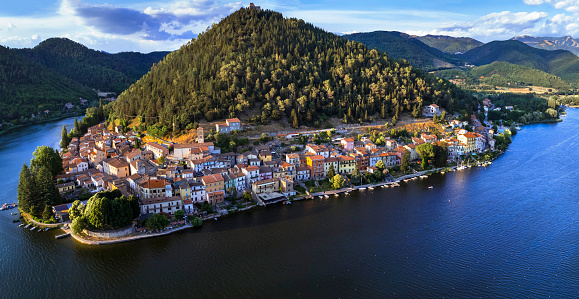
[
  {"x": 64, "y": 141},
  {"x": 76, "y": 128},
  {"x": 48, "y": 193},
  {"x": 294, "y": 117},
  {"x": 26, "y": 189}
]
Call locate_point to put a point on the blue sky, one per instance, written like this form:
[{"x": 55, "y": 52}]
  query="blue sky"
[{"x": 145, "y": 26}]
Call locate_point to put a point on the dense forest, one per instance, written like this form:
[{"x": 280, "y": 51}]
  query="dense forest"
[
  {"x": 561, "y": 63},
  {"x": 262, "y": 66},
  {"x": 501, "y": 73},
  {"x": 27, "y": 87},
  {"x": 449, "y": 44},
  {"x": 95, "y": 69},
  {"x": 400, "y": 45}
]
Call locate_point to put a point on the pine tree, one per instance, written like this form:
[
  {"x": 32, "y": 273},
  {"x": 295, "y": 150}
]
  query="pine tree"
[
  {"x": 64, "y": 141},
  {"x": 294, "y": 117}
]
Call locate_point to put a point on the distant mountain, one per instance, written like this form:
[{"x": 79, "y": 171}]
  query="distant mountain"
[
  {"x": 449, "y": 44},
  {"x": 500, "y": 73},
  {"x": 27, "y": 87},
  {"x": 58, "y": 71},
  {"x": 561, "y": 63},
  {"x": 95, "y": 69},
  {"x": 551, "y": 43},
  {"x": 400, "y": 45}
]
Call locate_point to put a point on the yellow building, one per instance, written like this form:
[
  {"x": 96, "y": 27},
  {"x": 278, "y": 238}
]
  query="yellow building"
[{"x": 346, "y": 164}]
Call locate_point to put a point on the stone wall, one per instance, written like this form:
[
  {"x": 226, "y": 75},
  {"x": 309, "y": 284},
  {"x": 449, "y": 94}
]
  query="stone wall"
[{"x": 110, "y": 233}]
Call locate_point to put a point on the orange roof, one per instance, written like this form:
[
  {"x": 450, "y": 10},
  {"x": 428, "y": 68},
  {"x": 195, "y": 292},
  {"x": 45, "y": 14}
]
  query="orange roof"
[
  {"x": 252, "y": 168},
  {"x": 316, "y": 157},
  {"x": 233, "y": 120},
  {"x": 153, "y": 184},
  {"x": 470, "y": 135},
  {"x": 349, "y": 139},
  {"x": 212, "y": 178}
]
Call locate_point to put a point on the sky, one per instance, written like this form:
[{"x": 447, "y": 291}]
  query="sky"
[{"x": 146, "y": 26}]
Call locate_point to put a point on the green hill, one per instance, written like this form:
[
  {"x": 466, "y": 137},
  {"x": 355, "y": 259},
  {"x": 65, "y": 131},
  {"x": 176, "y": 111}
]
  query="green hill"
[
  {"x": 561, "y": 63},
  {"x": 551, "y": 43},
  {"x": 501, "y": 73},
  {"x": 260, "y": 66},
  {"x": 400, "y": 45},
  {"x": 27, "y": 87},
  {"x": 449, "y": 44},
  {"x": 95, "y": 69}
]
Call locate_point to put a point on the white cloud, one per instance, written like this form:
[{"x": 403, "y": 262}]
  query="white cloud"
[{"x": 156, "y": 26}]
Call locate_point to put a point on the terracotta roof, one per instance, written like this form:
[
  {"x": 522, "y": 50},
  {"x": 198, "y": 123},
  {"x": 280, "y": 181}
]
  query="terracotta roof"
[
  {"x": 316, "y": 157},
  {"x": 212, "y": 178},
  {"x": 233, "y": 120},
  {"x": 153, "y": 184}
]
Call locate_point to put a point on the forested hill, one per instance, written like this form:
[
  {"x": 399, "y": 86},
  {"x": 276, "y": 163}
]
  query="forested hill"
[
  {"x": 95, "y": 69},
  {"x": 27, "y": 87},
  {"x": 449, "y": 44},
  {"x": 400, "y": 45},
  {"x": 259, "y": 66},
  {"x": 561, "y": 63}
]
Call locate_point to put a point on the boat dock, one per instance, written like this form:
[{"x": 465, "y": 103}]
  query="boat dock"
[{"x": 62, "y": 236}]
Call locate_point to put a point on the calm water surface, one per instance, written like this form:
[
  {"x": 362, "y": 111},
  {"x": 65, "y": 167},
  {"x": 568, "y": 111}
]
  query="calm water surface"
[{"x": 507, "y": 230}]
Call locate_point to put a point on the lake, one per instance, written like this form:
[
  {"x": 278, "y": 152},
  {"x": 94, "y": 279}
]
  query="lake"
[{"x": 507, "y": 230}]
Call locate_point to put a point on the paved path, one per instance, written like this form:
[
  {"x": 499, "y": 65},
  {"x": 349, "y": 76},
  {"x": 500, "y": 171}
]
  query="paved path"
[{"x": 131, "y": 238}]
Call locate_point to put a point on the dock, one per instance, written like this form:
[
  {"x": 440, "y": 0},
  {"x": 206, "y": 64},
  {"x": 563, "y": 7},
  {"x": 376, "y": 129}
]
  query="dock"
[{"x": 62, "y": 236}]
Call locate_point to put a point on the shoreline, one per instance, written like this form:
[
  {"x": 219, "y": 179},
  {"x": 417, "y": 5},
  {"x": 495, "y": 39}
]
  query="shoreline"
[
  {"x": 10, "y": 129},
  {"x": 395, "y": 183},
  {"x": 82, "y": 240}
]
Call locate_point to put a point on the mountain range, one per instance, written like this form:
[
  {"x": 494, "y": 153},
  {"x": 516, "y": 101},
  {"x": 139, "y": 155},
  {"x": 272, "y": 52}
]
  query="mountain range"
[
  {"x": 551, "y": 43},
  {"x": 59, "y": 70}
]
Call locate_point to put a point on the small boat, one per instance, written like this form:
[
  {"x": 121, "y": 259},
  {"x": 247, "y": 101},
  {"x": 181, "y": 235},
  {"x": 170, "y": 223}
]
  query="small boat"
[
  {"x": 326, "y": 196},
  {"x": 336, "y": 195},
  {"x": 287, "y": 202},
  {"x": 442, "y": 172},
  {"x": 21, "y": 225},
  {"x": 430, "y": 187},
  {"x": 47, "y": 229},
  {"x": 371, "y": 188},
  {"x": 215, "y": 218},
  {"x": 423, "y": 176},
  {"x": 347, "y": 193},
  {"x": 363, "y": 188},
  {"x": 15, "y": 220},
  {"x": 27, "y": 226},
  {"x": 33, "y": 228}
]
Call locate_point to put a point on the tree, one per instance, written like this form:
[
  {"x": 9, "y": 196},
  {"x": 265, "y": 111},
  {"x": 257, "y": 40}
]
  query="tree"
[
  {"x": 96, "y": 211},
  {"x": 27, "y": 191},
  {"x": 76, "y": 210},
  {"x": 440, "y": 155},
  {"x": 337, "y": 182},
  {"x": 78, "y": 224},
  {"x": 136, "y": 208},
  {"x": 380, "y": 165},
  {"x": 247, "y": 196},
  {"x": 179, "y": 214},
  {"x": 294, "y": 119},
  {"x": 426, "y": 152},
  {"x": 405, "y": 164},
  {"x": 46, "y": 156},
  {"x": 161, "y": 160},
  {"x": 156, "y": 221},
  {"x": 64, "y": 140},
  {"x": 77, "y": 130},
  {"x": 331, "y": 172},
  {"x": 47, "y": 214},
  {"x": 47, "y": 192}
]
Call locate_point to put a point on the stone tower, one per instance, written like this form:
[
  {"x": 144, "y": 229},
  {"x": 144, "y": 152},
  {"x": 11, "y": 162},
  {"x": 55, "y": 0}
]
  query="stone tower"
[{"x": 200, "y": 138}]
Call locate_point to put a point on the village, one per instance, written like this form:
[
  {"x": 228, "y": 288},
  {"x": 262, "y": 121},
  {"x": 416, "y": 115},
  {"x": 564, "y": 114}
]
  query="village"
[{"x": 200, "y": 180}]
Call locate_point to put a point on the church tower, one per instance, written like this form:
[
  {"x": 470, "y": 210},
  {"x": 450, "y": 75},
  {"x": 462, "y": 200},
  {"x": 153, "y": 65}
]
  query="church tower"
[{"x": 200, "y": 138}]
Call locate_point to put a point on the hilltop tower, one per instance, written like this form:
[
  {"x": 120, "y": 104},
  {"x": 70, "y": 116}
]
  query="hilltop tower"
[{"x": 200, "y": 138}]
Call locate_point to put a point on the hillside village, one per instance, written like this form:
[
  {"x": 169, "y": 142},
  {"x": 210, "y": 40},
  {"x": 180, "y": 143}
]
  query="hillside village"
[{"x": 199, "y": 177}]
